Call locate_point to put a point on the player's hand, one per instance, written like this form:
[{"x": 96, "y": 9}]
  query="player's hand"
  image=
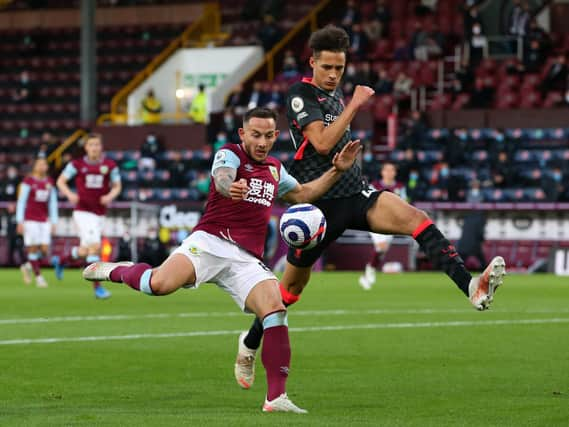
[
  {"x": 73, "y": 198},
  {"x": 105, "y": 200},
  {"x": 361, "y": 95},
  {"x": 20, "y": 228},
  {"x": 344, "y": 160},
  {"x": 239, "y": 189}
]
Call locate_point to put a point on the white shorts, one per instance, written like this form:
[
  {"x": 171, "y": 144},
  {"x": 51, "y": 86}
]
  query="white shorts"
[
  {"x": 37, "y": 233},
  {"x": 381, "y": 240},
  {"x": 89, "y": 226},
  {"x": 228, "y": 266}
]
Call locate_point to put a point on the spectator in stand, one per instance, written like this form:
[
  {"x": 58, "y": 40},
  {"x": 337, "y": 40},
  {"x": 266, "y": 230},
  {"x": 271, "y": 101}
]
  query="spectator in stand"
[
  {"x": 151, "y": 108},
  {"x": 533, "y": 57},
  {"x": 535, "y": 32},
  {"x": 269, "y": 34},
  {"x": 258, "y": 96},
  {"x": 408, "y": 164},
  {"x": 383, "y": 15},
  {"x": 402, "y": 89},
  {"x": 16, "y": 252},
  {"x": 48, "y": 143},
  {"x": 372, "y": 29},
  {"x": 363, "y": 74},
  {"x": 383, "y": 85},
  {"x": 153, "y": 252},
  {"x": 521, "y": 16},
  {"x": 503, "y": 172},
  {"x": 230, "y": 125},
  {"x": 351, "y": 16},
  {"x": 514, "y": 17},
  {"x": 471, "y": 17},
  {"x": 555, "y": 78},
  {"x": 553, "y": 184},
  {"x": 359, "y": 43},
  {"x": 476, "y": 45},
  {"x": 472, "y": 237},
  {"x": 275, "y": 97},
  {"x": 482, "y": 95},
  {"x": 150, "y": 152},
  {"x": 474, "y": 193},
  {"x": 9, "y": 190},
  {"x": 178, "y": 170},
  {"x": 274, "y": 8},
  {"x": 198, "y": 108},
  {"x": 237, "y": 100},
  {"x": 290, "y": 66},
  {"x": 415, "y": 130}
]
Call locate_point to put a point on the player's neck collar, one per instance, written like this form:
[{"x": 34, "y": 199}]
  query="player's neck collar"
[
  {"x": 93, "y": 162},
  {"x": 309, "y": 81}
]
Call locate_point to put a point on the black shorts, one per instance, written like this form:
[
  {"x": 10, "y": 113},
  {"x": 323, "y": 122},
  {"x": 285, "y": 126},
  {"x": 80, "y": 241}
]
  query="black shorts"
[{"x": 341, "y": 214}]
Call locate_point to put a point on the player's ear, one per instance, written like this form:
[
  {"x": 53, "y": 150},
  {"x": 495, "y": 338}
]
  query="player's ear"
[
  {"x": 277, "y": 133},
  {"x": 312, "y": 62},
  {"x": 241, "y": 132}
]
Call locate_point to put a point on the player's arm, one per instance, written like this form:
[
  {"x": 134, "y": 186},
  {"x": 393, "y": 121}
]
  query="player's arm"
[
  {"x": 324, "y": 138},
  {"x": 23, "y": 195},
  {"x": 313, "y": 190},
  {"x": 116, "y": 187},
  {"x": 224, "y": 172},
  {"x": 62, "y": 183}
]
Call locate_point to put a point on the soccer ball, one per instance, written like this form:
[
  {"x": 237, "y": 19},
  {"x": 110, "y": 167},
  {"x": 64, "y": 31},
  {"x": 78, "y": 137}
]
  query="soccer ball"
[{"x": 303, "y": 226}]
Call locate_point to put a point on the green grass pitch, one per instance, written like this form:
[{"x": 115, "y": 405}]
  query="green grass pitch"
[{"x": 410, "y": 352}]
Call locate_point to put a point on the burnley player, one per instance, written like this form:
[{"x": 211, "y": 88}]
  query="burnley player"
[
  {"x": 226, "y": 246},
  {"x": 98, "y": 183},
  {"x": 319, "y": 123},
  {"x": 382, "y": 242},
  {"x": 36, "y": 215}
]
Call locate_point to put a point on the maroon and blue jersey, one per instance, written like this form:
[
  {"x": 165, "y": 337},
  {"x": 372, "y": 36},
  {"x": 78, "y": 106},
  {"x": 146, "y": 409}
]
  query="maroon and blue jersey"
[
  {"x": 244, "y": 222},
  {"x": 37, "y": 200},
  {"x": 92, "y": 181},
  {"x": 395, "y": 187}
]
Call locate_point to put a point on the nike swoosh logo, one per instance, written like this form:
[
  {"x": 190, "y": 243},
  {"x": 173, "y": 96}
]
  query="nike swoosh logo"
[{"x": 321, "y": 99}]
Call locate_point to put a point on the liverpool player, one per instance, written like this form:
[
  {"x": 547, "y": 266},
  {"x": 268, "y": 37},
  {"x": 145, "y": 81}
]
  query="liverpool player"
[
  {"x": 98, "y": 183},
  {"x": 226, "y": 246},
  {"x": 319, "y": 124},
  {"x": 36, "y": 215}
]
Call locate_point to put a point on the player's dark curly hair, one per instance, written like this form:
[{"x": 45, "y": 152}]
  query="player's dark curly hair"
[
  {"x": 330, "y": 38},
  {"x": 261, "y": 113}
]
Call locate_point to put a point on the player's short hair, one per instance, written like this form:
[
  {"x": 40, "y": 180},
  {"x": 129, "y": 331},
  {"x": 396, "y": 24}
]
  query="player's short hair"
[
  {"x": 330, "y": 38},
  {"x": 261, "y": 113},
  {"x": 93, "y": 135}
]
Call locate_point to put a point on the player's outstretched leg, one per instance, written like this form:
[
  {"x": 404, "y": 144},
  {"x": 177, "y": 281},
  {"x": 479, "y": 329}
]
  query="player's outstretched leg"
[
  {"x": 250, "y": 341},
  {"x": 481, "y": 289},
  {"x": 276, "y": 360}
]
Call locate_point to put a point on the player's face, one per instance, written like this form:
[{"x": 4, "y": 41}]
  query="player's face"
[
  {"x": 40, "y": 167},
  {"x": 258, "y": 137},
  {"x": 388, "y": 173},
  {"x": 327, "y": 69},
  {"x": 94, "y": 148}
]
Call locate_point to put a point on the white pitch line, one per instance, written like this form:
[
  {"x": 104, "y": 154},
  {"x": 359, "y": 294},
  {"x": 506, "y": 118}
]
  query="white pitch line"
[
  {"x": 23, "y": 321},
  {"x": 405, "y": 325}
]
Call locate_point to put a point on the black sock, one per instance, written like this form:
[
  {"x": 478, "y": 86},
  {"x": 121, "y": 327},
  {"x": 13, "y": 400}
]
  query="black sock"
[
  {"x": 253, "y": 338},
  {"x": 444, "y": 255}
]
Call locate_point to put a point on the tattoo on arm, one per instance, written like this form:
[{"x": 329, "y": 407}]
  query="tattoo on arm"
[{"x": 223, "y": 178}]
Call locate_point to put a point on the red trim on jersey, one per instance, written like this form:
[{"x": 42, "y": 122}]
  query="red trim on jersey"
[
  {"x": 287, "y": 296},
  {"x": 300, "y": 152},
  {"x": 421, "y": 228}
]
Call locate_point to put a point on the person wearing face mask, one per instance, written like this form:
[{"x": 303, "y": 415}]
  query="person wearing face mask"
[
  {"x": 10, "y": 184},
  {"x": 150, "y": 151},
  {"x": 553, "y": 184}
]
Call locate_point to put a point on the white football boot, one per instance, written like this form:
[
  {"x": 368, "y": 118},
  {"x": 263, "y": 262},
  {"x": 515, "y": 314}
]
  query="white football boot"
[
  {"x": 101, "y": 271},
  {"x": 41, "y": 282},
  {"x": 370, "y": 274},
  {"x": 481, "y": 289},
  {"x": 282, "y": 404},
  {"x": 245, "y": 363}
]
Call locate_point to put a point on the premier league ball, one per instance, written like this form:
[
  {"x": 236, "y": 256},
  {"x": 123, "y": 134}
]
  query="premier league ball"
[{"x": 303, "y": 226}]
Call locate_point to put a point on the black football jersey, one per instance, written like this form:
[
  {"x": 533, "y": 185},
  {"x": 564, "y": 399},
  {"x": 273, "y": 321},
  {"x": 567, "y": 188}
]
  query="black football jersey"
[{"x": 307, "y": 103}]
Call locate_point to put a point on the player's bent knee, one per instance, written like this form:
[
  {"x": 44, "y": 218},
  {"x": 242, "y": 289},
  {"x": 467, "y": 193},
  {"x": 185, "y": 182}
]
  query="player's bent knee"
[{"x": 162, "y": 284}]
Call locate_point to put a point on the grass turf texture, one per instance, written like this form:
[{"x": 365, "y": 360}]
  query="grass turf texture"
[{"x": 415, "y": 354}]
